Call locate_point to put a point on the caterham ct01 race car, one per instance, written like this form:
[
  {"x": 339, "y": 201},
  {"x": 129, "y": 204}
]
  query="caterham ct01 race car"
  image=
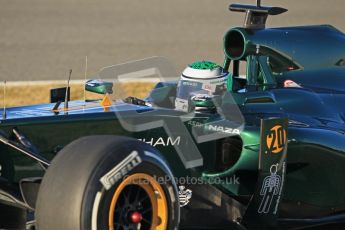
[{"x": 214, "y": 150}]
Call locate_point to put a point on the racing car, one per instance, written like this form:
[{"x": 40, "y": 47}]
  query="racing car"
[{"x": 216, "y": 149}]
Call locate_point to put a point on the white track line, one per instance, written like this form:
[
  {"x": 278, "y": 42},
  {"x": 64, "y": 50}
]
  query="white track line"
[{"x": 74, "y": 82}]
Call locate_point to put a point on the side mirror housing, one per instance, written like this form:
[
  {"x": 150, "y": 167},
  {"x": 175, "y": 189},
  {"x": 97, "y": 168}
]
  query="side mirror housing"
[{"x": 99, "y": 86}]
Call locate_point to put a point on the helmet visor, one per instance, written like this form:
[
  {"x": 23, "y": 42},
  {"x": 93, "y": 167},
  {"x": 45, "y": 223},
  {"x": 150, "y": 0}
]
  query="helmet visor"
[{"x": 187, "y": 88}]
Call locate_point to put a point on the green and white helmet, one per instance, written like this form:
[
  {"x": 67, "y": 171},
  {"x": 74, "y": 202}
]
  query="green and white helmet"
[{"x": 200, "y": 78}]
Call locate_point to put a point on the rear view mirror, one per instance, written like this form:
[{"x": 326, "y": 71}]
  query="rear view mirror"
[{"x": 99, "y": 86}]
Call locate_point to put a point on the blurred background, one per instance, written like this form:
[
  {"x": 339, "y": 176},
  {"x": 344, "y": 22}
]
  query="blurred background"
[{"x": 43, "y": 39}]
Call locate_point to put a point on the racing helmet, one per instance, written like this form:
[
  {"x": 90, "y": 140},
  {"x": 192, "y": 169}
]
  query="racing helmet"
[{"x": 200, "y": 78}]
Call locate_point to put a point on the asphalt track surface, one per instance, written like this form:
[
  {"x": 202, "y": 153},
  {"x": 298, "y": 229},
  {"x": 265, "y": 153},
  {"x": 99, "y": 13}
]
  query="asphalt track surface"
[{"x": 43, "y": 39}]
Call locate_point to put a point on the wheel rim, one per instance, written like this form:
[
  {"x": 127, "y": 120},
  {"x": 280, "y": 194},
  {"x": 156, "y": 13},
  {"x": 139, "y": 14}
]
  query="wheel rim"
[{"x": 139, "y": 202}]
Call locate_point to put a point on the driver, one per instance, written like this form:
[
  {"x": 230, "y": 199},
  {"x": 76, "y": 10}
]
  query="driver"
[{"x": 200, "y": 78}]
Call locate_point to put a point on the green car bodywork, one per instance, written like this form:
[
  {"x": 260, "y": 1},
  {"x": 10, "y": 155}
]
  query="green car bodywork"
[{"x": 310, "y": 56}]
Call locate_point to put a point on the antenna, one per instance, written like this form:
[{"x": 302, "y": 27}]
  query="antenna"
[
  {"x": 67, "y": 90},
  {"x": 4, "y": 115},
  {"x": 85, "y": 80}
]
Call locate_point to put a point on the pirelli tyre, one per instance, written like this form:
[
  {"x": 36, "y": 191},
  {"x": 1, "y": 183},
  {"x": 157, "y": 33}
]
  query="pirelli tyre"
[{"x": 107, "y": 182}]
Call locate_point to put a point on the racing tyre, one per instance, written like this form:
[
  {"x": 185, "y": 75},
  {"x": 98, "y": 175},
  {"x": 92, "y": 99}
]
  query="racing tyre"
[{"x": 107, "y": 182}]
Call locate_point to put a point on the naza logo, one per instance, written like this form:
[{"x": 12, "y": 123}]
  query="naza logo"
[{"x": 276, "y": 139}]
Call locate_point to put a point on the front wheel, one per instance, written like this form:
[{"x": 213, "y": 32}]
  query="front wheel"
[{"x": 108, "y": 182}]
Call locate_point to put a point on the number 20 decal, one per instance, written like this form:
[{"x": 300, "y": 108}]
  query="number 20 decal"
[{"x": 276, "y": 139}]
